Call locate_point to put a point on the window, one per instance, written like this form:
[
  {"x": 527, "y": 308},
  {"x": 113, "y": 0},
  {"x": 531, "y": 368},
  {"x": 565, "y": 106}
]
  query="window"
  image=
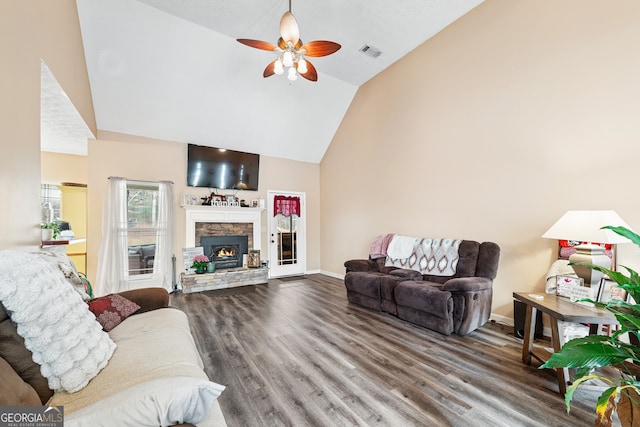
[
  {"x": 142, "y": 226},
  {"x": 50, "y": 196},
  {"x": 137, "y": 236}
]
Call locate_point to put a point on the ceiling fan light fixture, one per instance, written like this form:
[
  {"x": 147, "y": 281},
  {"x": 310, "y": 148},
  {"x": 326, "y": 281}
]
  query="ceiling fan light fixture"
[
  {"x": 291, "y": 74},
  {"x": 287, "y": 59},
  {"x": 291, "y": 51},
  {"x": 278, "y": 67},
  {"x": 302, "y": 66}
]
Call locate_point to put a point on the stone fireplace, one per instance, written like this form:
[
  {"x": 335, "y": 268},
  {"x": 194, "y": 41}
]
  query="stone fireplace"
[
  {"x": 225, "y": 251},
  {"x": 212, "y": 221},
  {"x": 204, "y": 222}
]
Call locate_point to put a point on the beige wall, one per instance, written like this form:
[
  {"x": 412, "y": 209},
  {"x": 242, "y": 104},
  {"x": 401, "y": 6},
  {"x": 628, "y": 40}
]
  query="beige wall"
[
  {"x": 136, "y": 158},
  {"x": 32, "y": 30},
  {"x": 57, "y": 168},
  {"x": 484, "y": 131}
]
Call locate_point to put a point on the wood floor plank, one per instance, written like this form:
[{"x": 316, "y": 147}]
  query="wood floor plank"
[{"x": 295, "y": 352}]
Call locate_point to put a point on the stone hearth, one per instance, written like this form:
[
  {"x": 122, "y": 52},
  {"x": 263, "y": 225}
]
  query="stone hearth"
[{"x": 229, "y": 278}]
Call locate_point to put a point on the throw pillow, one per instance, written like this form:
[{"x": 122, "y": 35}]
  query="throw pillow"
[
  {"x": 65, "y": 340},
  {"x": 159, "y": 402},
  {"x": 111, "y": 310}
]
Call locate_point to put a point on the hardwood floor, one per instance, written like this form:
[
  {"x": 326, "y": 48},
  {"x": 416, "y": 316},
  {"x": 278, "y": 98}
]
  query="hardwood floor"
[{"x": 295, "y": 352}]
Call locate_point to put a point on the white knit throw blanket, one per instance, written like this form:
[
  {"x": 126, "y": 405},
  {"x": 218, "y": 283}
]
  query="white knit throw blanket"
[
  {"x": 435, "y": 257},
  {"x": 57, "y": 326}
]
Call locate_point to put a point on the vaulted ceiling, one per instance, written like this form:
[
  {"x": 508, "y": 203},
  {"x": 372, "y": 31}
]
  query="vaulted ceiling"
[{"x": 173, "y": 70}]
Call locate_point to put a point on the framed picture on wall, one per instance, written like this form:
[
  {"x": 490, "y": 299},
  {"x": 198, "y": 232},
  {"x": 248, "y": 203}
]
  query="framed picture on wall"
[{"x": 610, "y": 291}]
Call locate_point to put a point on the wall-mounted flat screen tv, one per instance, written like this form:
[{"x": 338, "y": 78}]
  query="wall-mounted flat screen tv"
[{"x": 225, "y": 169}]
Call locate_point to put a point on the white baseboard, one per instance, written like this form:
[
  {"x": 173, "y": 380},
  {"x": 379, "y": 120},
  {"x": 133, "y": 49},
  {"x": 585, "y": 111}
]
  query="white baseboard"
[
  {"x": 331, "y": 274},
  {"x": 501, "y": 319}
]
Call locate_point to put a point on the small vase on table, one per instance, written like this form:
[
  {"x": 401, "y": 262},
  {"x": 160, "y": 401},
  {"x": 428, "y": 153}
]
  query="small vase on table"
[{"x": 211, "y": 267}]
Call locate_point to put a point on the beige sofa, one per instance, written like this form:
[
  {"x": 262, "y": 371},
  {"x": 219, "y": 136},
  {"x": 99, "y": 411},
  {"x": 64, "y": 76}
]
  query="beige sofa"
[{"x": 153, "y": 376}]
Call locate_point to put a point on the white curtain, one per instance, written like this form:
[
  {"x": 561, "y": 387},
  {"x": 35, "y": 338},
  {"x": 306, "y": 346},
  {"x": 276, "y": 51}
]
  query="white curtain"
[
  {"x": 162, "y": 268},
  {"x": 113, "y": 262},
  {"x": 113, "y": 258}
]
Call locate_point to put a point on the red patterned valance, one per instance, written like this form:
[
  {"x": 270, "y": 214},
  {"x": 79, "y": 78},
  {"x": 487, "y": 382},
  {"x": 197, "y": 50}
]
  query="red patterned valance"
[{"x": 286, "y": 205}]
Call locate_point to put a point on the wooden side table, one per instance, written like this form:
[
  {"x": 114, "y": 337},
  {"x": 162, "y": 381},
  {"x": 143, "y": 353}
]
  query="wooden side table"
[{"x": 558, "y": 309}]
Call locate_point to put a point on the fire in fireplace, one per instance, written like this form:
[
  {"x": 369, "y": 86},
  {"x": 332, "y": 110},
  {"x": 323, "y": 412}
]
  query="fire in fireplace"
[{"x": 225, "y": 251}]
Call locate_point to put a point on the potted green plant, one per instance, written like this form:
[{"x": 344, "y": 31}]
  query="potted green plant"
[
  {"x": 200, "y": 263},
  {"x": 595, "y": 351},
  {"x": 50, "y": 231}
]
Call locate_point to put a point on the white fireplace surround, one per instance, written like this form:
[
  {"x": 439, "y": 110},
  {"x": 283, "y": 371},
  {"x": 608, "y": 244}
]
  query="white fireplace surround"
[{"x": 215, "y": 214}]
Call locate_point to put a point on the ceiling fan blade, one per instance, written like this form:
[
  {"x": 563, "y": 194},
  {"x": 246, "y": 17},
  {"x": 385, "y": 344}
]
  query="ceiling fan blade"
[
  {"x": 270, "y": 69},
  {"x": 289, "y": 28},
  {"x": 311, "y": 73},
  {"x": 258, "y": 44},
  {"x": 320, "y": 48}
]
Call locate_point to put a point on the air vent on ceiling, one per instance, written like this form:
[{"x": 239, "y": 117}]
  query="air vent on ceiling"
[{"x": 370, "y": 51}]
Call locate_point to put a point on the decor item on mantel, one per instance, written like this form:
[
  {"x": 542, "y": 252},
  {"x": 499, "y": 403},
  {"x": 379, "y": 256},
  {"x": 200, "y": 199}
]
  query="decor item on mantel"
[
  {"x": 588, "y": 229},
  {"x": 291, "y": 51},
  {"x": 254, "y": 258},
  {"x": 200, "y": 263}
]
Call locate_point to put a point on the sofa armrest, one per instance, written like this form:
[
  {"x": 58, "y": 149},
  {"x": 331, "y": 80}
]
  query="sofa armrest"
[
  {"x": 147, "y": 298},
  {"x": 361, "y": 265},
  {"x": 460, "y": 284}
]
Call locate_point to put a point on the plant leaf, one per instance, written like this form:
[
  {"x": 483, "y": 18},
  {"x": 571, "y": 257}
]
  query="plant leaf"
[
  {"x": 605, "y": 406},
  {"x": 590, "y": 352},
  {"x": 624, "y": 232},
  {"x": 576, "y": 383}
]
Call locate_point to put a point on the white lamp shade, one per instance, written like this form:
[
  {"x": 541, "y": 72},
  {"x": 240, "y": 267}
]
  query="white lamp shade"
[
  {"x": 278, "y": 67},
  {"x": 291, "y": 75},
  {"x": 287, "y": 59},
  {"x": 585, "y": 226},
  {"x": 302, "y": 66}
]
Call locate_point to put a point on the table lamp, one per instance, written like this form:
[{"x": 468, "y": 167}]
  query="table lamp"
[{"x": 586, "y": 226}]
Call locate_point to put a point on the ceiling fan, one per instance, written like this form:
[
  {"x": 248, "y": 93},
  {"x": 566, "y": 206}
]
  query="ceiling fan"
[{"x": 291, "y": 51}]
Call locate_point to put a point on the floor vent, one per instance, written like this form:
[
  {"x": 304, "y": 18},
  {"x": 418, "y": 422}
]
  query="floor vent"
[{"x": 370, "y": 51}]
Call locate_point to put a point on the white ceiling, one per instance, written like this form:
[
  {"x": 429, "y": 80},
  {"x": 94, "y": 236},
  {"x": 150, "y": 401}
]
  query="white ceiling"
[
  {"x": 173, "y": 70},
  {"x": 62, "y": 129}
]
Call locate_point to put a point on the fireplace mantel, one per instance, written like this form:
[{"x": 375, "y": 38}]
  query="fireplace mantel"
[{"x": 216, "y": 214}]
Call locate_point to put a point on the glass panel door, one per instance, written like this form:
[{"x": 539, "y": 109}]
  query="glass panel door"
[
  {"x": 286, "y": 239},
  {"x": 286, "y": 236}
]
